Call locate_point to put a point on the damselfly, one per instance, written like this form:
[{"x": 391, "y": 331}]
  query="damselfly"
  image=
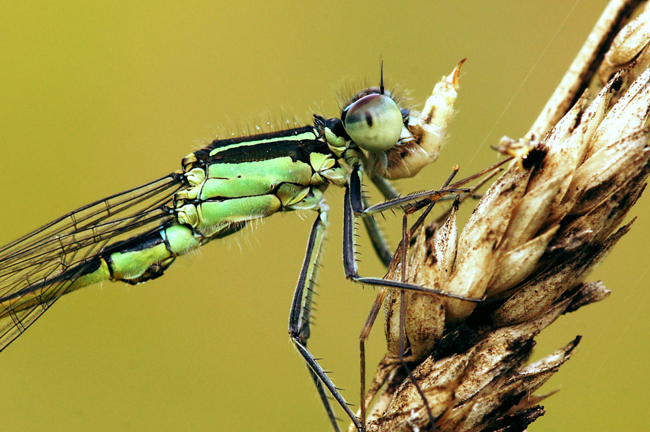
[{"x": 134, "y": 236}]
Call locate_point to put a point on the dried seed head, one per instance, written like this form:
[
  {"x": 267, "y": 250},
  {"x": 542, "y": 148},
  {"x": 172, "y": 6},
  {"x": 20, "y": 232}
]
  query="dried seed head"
[{"x": 528, "y": 247}]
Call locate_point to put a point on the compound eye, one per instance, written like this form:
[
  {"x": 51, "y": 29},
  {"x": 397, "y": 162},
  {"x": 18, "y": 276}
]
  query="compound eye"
[{"x": 374, "y": 122}]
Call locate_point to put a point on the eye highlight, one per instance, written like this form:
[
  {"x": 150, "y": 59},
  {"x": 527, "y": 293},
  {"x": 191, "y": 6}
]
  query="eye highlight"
[{"x": 374, "y": 122}]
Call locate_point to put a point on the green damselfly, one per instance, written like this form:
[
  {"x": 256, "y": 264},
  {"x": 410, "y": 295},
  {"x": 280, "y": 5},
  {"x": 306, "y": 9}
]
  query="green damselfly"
[{"x": 134, "y": 236}]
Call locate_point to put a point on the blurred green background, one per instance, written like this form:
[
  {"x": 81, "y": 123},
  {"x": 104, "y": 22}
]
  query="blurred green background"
[{"x": 99, "y": 97}]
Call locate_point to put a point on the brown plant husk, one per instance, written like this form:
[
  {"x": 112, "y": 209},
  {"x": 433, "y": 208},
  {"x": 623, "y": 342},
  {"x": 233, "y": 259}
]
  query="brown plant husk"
[{"x": 528, "y": 248}]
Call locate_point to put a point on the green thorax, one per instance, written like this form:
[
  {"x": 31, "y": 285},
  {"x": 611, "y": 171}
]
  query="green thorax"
[{"x": 240, "y": 179}]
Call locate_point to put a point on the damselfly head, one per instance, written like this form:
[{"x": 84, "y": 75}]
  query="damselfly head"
[{"x": 373, "y": 120}]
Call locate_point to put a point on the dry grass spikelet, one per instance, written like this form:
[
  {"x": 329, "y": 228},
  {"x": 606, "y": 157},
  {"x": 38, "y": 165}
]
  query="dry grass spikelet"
[{"x": 528, "y": 247}]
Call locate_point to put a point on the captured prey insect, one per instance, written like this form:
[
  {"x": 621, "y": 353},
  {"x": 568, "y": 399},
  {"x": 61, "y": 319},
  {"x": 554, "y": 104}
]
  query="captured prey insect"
[{"x": 134, "y": 236}]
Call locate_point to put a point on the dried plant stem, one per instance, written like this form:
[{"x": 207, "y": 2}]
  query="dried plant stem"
[{"x": 577, "y": 77}]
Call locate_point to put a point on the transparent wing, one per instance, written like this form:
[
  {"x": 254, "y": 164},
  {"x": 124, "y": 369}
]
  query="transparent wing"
[{"x": 45, "y": 262}]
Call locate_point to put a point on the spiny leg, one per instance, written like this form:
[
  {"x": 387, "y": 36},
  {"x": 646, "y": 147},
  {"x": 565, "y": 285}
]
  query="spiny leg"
[
  {"x": 401, "y": 253},
  {"x": 414, "y": 202},
  {"x": 353, "y": 205},
  {"x": 300, "y": 315},
  {"x": 353, "y": 200},
  {"x": 407, "y": 234},
  {"x": 458, "y": 200},
  {"x": 385, "y": 366},
  {"x": 400, "y": 258},
  {"x": 383, "y": 251},
  {"x": 379, "y": 243}
]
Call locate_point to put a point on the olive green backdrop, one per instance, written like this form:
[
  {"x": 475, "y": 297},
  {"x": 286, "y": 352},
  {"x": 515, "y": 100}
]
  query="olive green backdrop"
[{"x": 97, "y": 99}]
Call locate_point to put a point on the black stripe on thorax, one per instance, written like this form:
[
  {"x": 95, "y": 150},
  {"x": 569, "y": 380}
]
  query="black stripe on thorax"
[
  {"x": 244, "y": 149},
  {"x": 296, "y": 150}
]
